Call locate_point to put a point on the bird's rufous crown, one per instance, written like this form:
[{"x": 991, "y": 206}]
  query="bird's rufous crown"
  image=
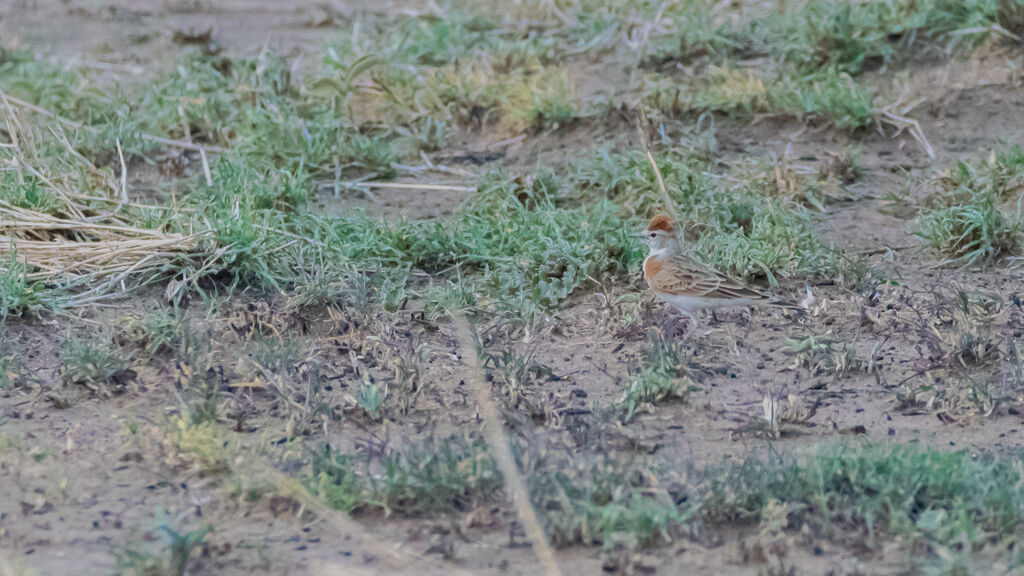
[{"x": 662, "y": 222}]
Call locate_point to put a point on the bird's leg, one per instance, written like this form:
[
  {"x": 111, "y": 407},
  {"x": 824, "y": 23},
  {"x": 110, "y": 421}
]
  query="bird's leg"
[
  {"x": 672, "y": 323},
  {"x": 669, "y": 322},
  {"x": 692, "y": 325}
]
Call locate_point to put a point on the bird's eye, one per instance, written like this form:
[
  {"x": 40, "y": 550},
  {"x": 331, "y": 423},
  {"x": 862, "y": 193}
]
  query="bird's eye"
[{"x": 654, "y": 234}]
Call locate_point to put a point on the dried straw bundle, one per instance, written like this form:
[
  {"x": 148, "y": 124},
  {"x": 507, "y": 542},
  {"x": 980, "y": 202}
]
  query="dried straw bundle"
[{"x": 87, "y": 239}]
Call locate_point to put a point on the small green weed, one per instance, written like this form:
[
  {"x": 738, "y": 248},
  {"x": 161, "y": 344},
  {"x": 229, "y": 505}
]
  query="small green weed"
[
  {"x": 19, "y": 295},
  {"x": 662, "y": 377},
  {"x": 964, "y": 332},
  {"x": 157, "y": 333},
  {"x": 25, "y": 191},
  {"x": 515, "y": 373},
  {"x": 823, "y": 354},
  {"x": 607, "y": 503},
  {"x": 371, "y": 398},
  {"x": 966, "y": 221},
  {"x": 434, "y": 476},
  {"x": 181, "y": 545},
  {"x": 201, "y": 444},
  {"x": 96, "y": 363},
  {"x": 10, "y": 361},
  {"x": 179, "y": 549},
  {"x": 953, "y": 498}
]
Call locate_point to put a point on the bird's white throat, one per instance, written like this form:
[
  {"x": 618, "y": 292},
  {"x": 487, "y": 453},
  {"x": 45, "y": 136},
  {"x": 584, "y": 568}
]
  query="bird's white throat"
[{"x": 655, "y": 252}]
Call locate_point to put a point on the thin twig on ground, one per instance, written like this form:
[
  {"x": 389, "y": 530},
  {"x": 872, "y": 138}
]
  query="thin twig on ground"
[
  {"x": 500, "y": 446},
  {"x": 669, "y": 205}
]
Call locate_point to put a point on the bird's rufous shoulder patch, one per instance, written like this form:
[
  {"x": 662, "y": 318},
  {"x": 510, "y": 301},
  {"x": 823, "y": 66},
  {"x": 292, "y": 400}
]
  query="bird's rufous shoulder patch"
[
  {"x": 661, "y": 222},
  {"x": 651, "y": 267}
]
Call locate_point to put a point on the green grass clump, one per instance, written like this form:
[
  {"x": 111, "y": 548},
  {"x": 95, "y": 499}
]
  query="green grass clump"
[
  {"x": 10, "y": 361},
  {"x": 825, "y": 95},
  {"x": 813, "y": 54},
  {"x": 95, "y": 363},
  {"x": 767, "y": 240},
  {"x": 430, "y": 74},
  {"x": 662, "y": 377},
  {"x": 520, "y": 240},
  {"x": 540, "y": 246},
  {"x": 25, "y": 191},
  {"x": 971, "y": 233},
  {"x": 434, "y": 476},
  {"x": 954, "y": 498},
  {"x": 159, "y": 332},
  {"x": 249, "y": 106},
  {"x": 606, "y": 503},
  {"x": 629, "y": 180},
  {"x": 1000, "y": 175},
  {"x": 854, "y": 36},
  {"x": 436, "y": 41},
  {"x": 967, "y": 220},
  {"x": 261, "y": 230},
  {"x": 851, "y": 36},
  {"x": 20, "y": 296},
  {"x": 698, "y": 33}
]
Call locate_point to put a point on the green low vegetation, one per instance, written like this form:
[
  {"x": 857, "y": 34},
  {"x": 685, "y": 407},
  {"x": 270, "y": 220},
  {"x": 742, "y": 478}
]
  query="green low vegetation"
[
  {"x": 662, "y": 376},
  {"x": 975, "y": 217},
  {"x": 811, "y": 56},
  {"x": 431, "y": 477},
  {"x": 92, "y": 362},
  {"x": 955, "y": 500},
  {"x": 525, "y": 243}
]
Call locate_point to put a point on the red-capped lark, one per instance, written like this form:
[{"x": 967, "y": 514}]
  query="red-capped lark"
[{"x": 688, "y": 284}]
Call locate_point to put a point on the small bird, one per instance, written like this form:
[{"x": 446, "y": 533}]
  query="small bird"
[{"x": 688, "y": 284}]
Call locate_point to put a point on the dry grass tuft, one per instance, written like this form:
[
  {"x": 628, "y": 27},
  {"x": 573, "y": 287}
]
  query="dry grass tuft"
[{"x": 84, "y": 235}]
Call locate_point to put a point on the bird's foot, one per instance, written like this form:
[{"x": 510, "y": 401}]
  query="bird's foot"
[{"x": 677, "y": 326}]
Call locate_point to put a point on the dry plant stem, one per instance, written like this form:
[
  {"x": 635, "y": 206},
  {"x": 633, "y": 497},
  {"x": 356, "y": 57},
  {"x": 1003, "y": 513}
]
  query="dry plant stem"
[
  {"x": 902, "y": 123},
  {"x": 562, "y": 17},
  {"x": 669, "y": 206},
  {"x": 206, "y": 167},
  {"x": 180, "y": 144},
  {"x": 498, "y": 441},
  {"x": 408, "y": 186},
  {"x": 505, "y": 143}
]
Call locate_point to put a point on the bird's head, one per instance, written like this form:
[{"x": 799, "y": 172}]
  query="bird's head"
[{"x": 660, "y": 235}]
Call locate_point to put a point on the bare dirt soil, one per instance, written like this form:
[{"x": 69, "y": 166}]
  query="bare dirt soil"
[{"x": 75, "y": 489}]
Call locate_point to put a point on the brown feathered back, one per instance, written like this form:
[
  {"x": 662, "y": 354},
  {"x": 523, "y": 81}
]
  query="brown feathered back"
[{"x": 662, "y": 222}]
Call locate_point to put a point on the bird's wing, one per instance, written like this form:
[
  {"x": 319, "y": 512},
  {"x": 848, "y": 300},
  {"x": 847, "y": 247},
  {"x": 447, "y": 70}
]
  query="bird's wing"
[{"x": 682, "y": 275}]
